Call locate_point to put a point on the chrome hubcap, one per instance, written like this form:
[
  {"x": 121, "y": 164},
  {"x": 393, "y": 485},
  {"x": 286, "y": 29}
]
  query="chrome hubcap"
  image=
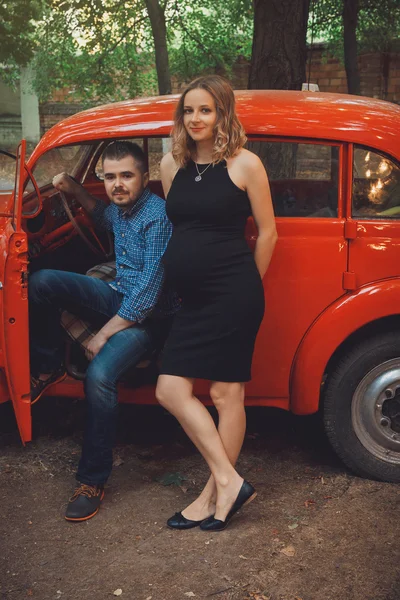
[{"x": 375, "y": 411}]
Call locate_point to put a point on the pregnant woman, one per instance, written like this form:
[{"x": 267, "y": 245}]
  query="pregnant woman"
[{"x": 212, "y": 185}]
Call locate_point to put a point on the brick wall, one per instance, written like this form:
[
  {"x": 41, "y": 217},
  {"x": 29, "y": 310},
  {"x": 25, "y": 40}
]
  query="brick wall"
[
  {"x": 379, "y": 78},
  {"x": 53, "y": 112},
  {"x": 379, "y": 74}
]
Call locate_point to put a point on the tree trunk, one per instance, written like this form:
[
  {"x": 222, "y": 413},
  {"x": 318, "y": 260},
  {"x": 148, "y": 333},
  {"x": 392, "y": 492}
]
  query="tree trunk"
[
  {"x": 279, "y": 51},
  {"x": 157, "y": 20},
  {"x": 350, "y": 16}
]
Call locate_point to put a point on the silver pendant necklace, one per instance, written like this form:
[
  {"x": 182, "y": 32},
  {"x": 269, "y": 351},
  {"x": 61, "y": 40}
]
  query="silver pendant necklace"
[{"x": 198, "y": 176}]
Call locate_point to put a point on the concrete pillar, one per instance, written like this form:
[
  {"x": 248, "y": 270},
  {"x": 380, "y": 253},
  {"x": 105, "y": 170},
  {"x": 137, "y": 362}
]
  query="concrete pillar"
[{"x": 29, "y": 107}]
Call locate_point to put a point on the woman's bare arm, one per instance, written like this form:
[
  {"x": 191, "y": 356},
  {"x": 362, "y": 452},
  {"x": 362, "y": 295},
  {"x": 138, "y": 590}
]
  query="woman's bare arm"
[
  {"x": 168, "y": 171},
  {"x": 256, "y": 184}
]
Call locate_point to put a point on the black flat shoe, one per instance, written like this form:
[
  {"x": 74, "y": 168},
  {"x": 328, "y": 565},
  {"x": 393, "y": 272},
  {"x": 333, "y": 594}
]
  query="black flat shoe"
[
  {"x": 178, "y": 521},
  {"x": 246, "y": 494}
]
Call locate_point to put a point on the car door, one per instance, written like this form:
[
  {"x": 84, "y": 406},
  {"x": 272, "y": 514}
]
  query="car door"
[
  {"x": 15, "y": 331},
  {"x": 308, "y": 267}
]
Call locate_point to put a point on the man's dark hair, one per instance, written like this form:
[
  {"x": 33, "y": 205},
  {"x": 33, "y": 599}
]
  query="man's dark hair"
[{"x": 119, "y": 150}]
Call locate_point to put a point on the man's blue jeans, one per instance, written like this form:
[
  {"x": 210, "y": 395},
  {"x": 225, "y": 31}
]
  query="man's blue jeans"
[{"x": 51, "y": 291}]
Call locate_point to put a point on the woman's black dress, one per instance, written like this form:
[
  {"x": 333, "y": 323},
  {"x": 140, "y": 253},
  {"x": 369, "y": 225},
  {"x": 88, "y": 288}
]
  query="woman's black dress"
[{"x": 212, "y": 268}]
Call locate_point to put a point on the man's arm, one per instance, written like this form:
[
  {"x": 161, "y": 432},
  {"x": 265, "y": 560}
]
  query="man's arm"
[
  {"x": 97, "y": 209},
  {"x": 140, "y": 302},
  {"x": 137, "y": 305}
]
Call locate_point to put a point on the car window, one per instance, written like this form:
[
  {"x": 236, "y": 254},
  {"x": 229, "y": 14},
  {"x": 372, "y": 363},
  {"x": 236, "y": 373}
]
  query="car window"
[
  {"x": 303, "y": 177},
  {"x": 376, "y": 185},
  {"x": 67, "y": 159},
  {"x": 157, "y": 148},
  {"x": 64, "y": 159}
]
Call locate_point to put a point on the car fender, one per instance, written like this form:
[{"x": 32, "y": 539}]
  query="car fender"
[{"x": 341, "y": 319}]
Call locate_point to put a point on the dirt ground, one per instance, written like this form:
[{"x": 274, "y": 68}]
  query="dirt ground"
[{"x": 315, "y": 531}]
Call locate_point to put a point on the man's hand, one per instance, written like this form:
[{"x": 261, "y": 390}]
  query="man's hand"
[
  {"x": 113, "y": 326},
  {"x": 65, "y": 183},
  {"x": 95, "y": 345}
]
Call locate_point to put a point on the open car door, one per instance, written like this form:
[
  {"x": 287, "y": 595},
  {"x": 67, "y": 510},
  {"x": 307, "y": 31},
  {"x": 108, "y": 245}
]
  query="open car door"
[{"x": 15, "y": 345}]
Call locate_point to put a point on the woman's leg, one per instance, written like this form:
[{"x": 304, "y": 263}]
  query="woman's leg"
[
  {"x": 176, "y": 395},
  {"x": 228, "y": 399}
]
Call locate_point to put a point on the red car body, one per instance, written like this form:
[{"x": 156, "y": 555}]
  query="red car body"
[{"x": 334, "y": 277}]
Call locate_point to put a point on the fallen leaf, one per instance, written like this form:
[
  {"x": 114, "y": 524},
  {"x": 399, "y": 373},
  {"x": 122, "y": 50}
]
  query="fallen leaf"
[
  {"x": 149, "y": 597},
  {"x": 117, "y": 592},
  {"x": 145, "y": 454},
  {"x": 244, "y": 557},
  {"x": 257, "y": 596},
  {"x": 308, "y": 503},
  {"x": 293, "y": 526},
  {"x": 118, "y": 461},
  {"x": 190, "y": 594},
  {"x": 171, "y": 479},
  {"x": 288, "y": 551}
]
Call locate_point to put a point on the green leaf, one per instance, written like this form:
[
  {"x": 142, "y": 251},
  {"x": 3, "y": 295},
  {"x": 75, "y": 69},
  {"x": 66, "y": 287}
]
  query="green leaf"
[{"x": 171, "y": 479}]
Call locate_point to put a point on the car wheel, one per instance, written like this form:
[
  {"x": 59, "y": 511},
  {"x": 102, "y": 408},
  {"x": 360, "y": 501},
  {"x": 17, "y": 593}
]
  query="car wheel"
[{"x": 361, "y": 408}]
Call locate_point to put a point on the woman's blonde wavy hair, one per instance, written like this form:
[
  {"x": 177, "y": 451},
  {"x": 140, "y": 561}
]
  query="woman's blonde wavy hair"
[{"x": 228, "y": 131}]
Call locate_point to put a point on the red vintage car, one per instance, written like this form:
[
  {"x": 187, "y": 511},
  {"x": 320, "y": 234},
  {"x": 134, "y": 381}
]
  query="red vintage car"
[{"x": 330, "y": 338}]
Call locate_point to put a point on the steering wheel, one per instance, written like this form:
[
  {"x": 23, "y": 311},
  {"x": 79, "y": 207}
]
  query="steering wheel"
[{"x": 96, "y": 248}]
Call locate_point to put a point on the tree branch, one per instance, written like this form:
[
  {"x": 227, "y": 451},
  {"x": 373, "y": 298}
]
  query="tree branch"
[{"x": 199, "y": 43}]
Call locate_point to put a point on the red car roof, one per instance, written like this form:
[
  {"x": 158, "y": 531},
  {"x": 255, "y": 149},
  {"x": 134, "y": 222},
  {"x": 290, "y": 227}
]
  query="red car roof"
[{"x": 340, "y": 117}]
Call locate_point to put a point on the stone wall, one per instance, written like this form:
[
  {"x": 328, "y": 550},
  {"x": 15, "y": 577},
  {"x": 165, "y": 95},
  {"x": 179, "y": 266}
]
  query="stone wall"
[{"x": 11, "y": 131}]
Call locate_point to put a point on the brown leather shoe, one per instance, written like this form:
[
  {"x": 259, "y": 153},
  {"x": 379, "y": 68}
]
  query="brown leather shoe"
[{"x": 84, "y": 502}]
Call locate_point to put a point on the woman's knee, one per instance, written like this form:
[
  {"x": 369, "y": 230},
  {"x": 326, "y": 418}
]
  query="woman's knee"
[
  {"x": 227, "y": 395},
  {"x": 172, "y": 390},
  {"x": 164, "y": 392}
]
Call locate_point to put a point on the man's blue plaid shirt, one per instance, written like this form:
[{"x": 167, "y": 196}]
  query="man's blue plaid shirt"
[{"x": 141, "y": 236}]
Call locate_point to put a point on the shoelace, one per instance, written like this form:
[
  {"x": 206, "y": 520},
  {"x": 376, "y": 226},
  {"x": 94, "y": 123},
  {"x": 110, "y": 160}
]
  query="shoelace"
[
  {"x": 35, "y": 381},
  {"x": 85, "y": 490}
]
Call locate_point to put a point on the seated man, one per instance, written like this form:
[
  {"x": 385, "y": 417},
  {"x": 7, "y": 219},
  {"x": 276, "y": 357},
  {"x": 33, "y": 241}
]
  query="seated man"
[{"x": 133, "y": 311}]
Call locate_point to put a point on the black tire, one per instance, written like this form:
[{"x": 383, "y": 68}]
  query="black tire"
[{"x": 358, "y": 385}]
